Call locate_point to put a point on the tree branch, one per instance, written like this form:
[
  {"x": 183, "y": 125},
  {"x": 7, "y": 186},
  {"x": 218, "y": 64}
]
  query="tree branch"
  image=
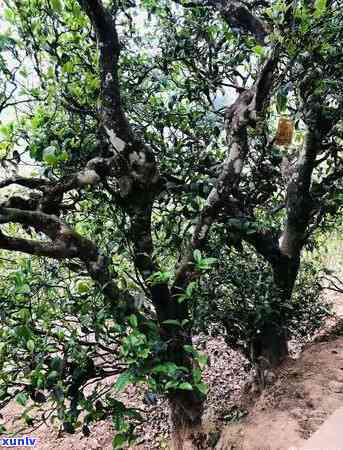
[
  {"x": 236, "y": 14},
  {"x": 244, "y": 112},
  {"x": 66, "y": 243},
  {"x": 240, "y": 17},
  {"x": 31, "y": 183},
  {"x": 135, "y": 161},
  {"x": 38, "y": 248},
  {"x": 113, "y": 117}
]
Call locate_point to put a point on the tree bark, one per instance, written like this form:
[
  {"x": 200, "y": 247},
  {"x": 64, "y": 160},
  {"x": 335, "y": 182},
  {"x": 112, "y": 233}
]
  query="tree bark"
[
  {"x": 185, "y": 419},
  {"x": 270, "y": 348},
  {"x": 186, "y": 407}
]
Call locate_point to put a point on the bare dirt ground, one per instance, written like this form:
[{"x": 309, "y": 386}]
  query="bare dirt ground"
[{"x": 307, "y": 390}]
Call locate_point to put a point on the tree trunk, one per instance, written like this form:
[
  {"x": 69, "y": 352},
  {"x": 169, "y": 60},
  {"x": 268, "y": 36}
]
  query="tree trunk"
[
  {"x": 186, "y": 406},
  {"x": 270, "y": 348},
  {"x": 185, "y": 419}
]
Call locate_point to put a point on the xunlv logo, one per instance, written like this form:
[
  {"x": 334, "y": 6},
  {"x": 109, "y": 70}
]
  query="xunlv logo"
[{"x": 18, "y": 442}]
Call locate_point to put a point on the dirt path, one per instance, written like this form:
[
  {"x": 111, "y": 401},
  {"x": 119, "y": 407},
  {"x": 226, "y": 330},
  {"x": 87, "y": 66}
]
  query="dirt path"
[{"x": 308, "y": 390}]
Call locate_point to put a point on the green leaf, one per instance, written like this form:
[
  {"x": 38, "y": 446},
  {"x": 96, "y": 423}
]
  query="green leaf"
[
  {"x": 185, "y": 386},
  {"x": 22, "y": 399},
  {"x": 172, "y": 384},
  {"x": 82, "y": 287},
  {"x": 123, "y": 380},
  {"x": 49, "y": 155},
  {"x": 6, "y": 42},
  {"x": 189, "y": 290},
  {"x": 168, "y": 368},
  {"x": 67, "y": 67},
  {"x": 320, "y": 7},
  {"x": 57, "y": 363},
  {"x": 197, "y": 255},
  {"x": 181, "y": 298},
  {"x": 258, "y": 50},
  {"x": 50, "y": 72},
  {"x": 159, "y": 278},
  {"x": 56, "y": 5},
  {"x": 23, "y": 332},
  {"x": 30, "y": 345},
  {"x": 23, "y": 289},
  {"x": 28, "y": 419},
  {"x": 197, "y": 375},
  {"x": 189, "y": 349},
  {"x": 210, "y": 261},
  {"x": 202, "y": 359},
  {"x": 281, "y": 101},
  {"x": 202, "y": 387},
  {"x": 53, "y": 375},
  {"x": 133, "y": 321},
  {"x": 119, "y": 441},
  {"x": 172, "y": 322}
]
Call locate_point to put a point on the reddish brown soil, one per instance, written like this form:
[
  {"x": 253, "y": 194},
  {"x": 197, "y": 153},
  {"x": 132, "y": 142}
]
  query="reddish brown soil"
[{"x": 307, "y": 391}]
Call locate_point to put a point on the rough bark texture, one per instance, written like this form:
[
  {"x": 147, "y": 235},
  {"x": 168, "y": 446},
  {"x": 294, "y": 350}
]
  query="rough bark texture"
[
  {"x": 133, "y": 166},
  {"x": 185, "y": 424}
]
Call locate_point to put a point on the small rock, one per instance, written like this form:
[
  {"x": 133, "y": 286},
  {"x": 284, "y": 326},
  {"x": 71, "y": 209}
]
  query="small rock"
[{"x": 298, "y": 394}]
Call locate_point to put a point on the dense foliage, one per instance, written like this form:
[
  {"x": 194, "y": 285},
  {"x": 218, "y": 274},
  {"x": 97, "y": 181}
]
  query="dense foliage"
[
  {"x": 132, "y": 133},
  {"x": 239, "y": 298}
]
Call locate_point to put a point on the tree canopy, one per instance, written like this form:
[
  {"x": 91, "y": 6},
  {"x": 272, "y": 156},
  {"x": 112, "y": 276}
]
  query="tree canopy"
[{"x": 142, "y": 148}]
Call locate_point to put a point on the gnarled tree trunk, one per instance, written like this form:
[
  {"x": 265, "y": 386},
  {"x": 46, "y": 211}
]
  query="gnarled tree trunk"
[
  {"x": 185, "y": 419},
  {"x": 270, "y": 348}
]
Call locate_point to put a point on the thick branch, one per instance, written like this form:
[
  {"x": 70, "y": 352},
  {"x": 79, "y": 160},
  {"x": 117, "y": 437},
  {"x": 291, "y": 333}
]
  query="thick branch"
[
  {"x": 31, "y": 183},
  {"x": 38, "y": 248},
  {"x": 65, "y": 243},
  {"x": 236, "y": 14},
  {"x": 52, "y": 191},
  {"x": 113, "y": 117},
  {"x": 136, "y": 165},
  {"x": 299, "y": 203},
  {"x": 240, "y": 17},
  {"x": 244, "y": 112}
]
